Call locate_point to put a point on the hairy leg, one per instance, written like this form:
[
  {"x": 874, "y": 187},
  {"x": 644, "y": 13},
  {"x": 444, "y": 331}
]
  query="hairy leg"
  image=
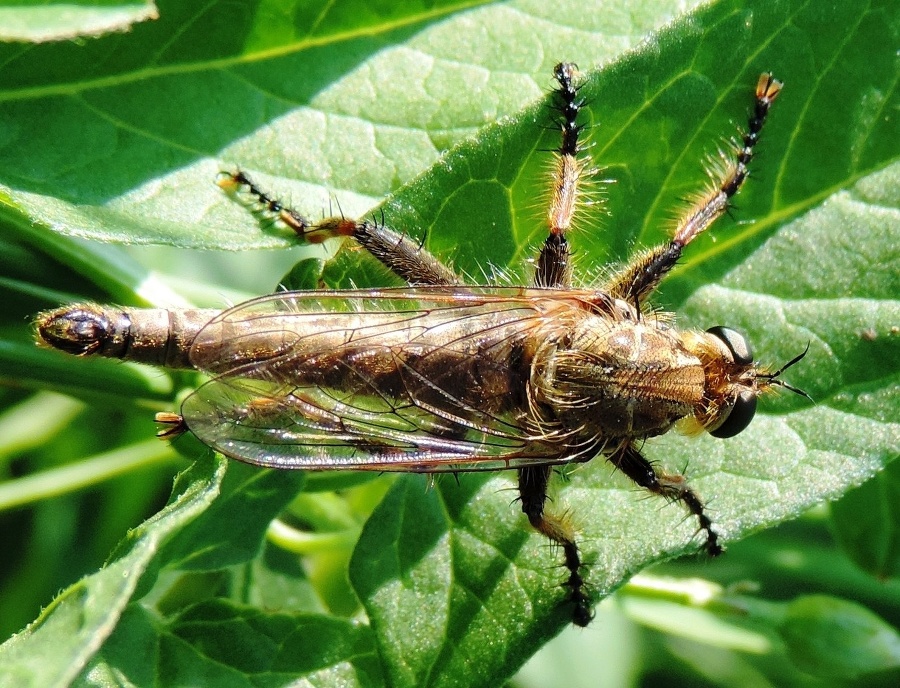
[
  {"x": 397, "y": 252},
  {"x": 554, "y": 272},
  {"x": 642, "y": 275},
  {"x": 673, "y": 487},
  {"x": 533, "y": 494}
]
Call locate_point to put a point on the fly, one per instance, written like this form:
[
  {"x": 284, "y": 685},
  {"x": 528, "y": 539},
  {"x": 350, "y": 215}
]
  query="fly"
[{"x": 443, "y": 377}]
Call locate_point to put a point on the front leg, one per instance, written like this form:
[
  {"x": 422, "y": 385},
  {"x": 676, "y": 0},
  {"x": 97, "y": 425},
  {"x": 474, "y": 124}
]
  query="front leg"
[{"x": 673, "y": 487}]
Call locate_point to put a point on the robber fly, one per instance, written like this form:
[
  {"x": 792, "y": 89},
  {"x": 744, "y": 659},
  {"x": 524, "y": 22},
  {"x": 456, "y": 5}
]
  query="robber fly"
[{"x": 441, "y": 376}]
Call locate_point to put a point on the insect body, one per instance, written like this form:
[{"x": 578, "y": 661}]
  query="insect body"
[{"x": 440, "y": 376}]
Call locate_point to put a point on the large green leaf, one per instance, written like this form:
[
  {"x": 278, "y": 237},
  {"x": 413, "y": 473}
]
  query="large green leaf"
[{"x": 120, "y": 140}]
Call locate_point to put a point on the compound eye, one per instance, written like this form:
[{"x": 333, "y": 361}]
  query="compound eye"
[
  {"x": 736, "y": 343},
  {"x": 738, "y": 417}
]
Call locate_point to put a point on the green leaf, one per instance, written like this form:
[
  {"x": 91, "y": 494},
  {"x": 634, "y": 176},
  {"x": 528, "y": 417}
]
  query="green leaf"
[
  {"x": 832, "y": 638},
  {"x": 157, "y": 117},
  {"x": 865, "y": 523},
  {"x": 233, "y": 528},
  {"x": 458, "y": 565},
  {"x": 58, "y": 645},
  {"x": 217, "y": 643},
  {"x": 358, "y": 105},
  {"x": 42, "y": 22},
  {"x": 96, "y": 381}
]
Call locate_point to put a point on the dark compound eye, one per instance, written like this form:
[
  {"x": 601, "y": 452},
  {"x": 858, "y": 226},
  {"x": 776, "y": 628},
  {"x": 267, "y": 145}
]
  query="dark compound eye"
[
  {"x": 735, "y": 342},
  {"x": 739, "y": 417}
]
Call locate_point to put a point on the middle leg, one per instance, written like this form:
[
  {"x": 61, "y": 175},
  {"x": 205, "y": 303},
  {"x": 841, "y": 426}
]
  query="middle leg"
[
  {"x": 554, "y": 262},
  {"x": 554, "y": 271},
  {"x": 533, "y": 494}
]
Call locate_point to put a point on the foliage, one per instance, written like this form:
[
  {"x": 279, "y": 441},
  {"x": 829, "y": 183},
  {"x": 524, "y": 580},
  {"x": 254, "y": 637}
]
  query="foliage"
[{"x": 119, "y": 138}]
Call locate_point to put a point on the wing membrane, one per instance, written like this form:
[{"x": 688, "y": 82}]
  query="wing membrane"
[{"x": 407, "y": 379}]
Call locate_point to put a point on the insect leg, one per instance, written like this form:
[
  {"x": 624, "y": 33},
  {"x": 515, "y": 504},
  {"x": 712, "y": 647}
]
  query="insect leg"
[
  {"x": 673, "y": 487},
  {"x": 554, "y": 271},
  {"x": 642, "y": 275},
  {"x": 533, "y": 493},
  {"x": 553, "y": 265},
  {"x": 405, "y": 258},
  {"x": 397, "y": 252}
]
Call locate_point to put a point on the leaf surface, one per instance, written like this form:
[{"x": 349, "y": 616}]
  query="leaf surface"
[{"x": 354, "y": 104}]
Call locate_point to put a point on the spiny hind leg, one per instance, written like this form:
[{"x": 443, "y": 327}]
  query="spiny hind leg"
[
  {"x": 673, "y": 487},
  {"x": 397, "y": 252},
  {"x": 642, "y": 275},
  {"x": 533, "y": 494}
]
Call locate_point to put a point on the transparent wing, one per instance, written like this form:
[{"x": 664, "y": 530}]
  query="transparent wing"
[{"x": 408, "y": 379}]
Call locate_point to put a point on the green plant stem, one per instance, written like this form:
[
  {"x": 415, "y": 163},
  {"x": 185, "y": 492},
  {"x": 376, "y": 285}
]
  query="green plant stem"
[
  {"x": 90, "y": 471},
  {"x": 300, "y": 542}
]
